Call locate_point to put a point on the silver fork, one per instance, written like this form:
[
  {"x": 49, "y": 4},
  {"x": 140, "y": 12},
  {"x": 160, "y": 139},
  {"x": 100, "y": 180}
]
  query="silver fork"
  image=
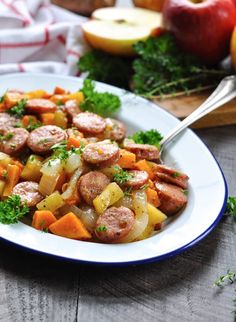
[{"x": 225, "y": 92}]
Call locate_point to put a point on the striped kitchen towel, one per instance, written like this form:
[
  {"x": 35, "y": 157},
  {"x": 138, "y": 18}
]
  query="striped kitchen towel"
[{"x": 36, "y": 36}]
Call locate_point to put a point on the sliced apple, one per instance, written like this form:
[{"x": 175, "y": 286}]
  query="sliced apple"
[
  {"x": 233, "y": 48},
  {"x": 116, "y": 30}
]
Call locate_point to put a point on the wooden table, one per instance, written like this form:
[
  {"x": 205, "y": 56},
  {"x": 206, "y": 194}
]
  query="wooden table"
[{"x": 37, "y": 288}]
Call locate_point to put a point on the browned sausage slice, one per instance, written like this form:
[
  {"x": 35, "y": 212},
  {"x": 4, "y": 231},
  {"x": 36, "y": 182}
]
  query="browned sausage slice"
[
  {"x": 89, "y": 123},
  {"x": 91, "y": 185},
  {"x": 115, "y": 130},
  {"x": 7, "y": 122},
  {"x": 28, "y": 192},
  {"x": 40, "y": 105},
  {"x": 171, "y": 175},
  {"x": 101, "y": 154},
  {"x": 14, "y": 140},
  {"x": 139, "y": 178},
  {"x": 72, "y": 108},
  {"x": 43, "y": 138},
  {"x": 114, "y": 224},
  {"x": 143, "y": 151},
  {"x": 172, "y": 198}
]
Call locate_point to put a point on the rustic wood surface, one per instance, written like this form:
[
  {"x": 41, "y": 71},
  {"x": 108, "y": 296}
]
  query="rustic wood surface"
[
  {"x": 38, "y": 288},
  {"x": 184, "y": 105}
]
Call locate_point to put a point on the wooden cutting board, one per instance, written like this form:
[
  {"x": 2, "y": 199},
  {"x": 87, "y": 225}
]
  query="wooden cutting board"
[{"x": 184, "y": 105}]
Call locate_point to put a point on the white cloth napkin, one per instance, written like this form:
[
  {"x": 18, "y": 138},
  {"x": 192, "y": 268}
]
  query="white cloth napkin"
[{"x": 36, "y": 36}]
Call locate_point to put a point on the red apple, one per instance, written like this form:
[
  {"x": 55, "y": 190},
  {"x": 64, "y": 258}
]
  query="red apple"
[{"x": 201, "y": 27}]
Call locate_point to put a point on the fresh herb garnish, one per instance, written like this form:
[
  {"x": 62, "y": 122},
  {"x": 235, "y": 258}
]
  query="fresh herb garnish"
[
  {"x": 106, "y": 68},
  {"x": 231, "y": 207},
  {"x": 19, "y": 109},
  {"x": 6, "y": 137},
  {"x": 152, "y": 137},
  {"x": 104, "y": 104},
  {"x": 128, "y": 192},
  {"x": 176, "y": 174},
  {"x": 185, "y": 192},
  {"x": 60, "y": 150},
  {"x": 33, "y": 124},
  {"x": 2, "y": 98},
  {"x": 4, "y": 174},
  {"x": 122, "y": 176},
  {"x": 101, "y": 228},
  {"x": 11, "y": 210},
  {"x": 144, "y": 187}
]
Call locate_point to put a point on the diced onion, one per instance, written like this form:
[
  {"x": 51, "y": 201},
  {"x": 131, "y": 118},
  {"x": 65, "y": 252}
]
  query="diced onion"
[
  {"x": 72, "y": 163},
  {"x": 141, "y": 219},
  {"x": 52, "y": 167},
  {"x": 126, "y": 201},
  {"x": 67, "y": 194}
]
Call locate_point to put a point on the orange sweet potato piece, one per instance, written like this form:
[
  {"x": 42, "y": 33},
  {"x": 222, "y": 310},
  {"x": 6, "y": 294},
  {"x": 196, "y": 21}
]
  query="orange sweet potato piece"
[
  {"x": 127, "y": 159},
  {"x": 13, "y": 176},
  {"x": 152, "y": 197},
  {"x": 29, "y": 119},
  {"x": 59, "y": 90},
  {"x": 73, "y": 142},
  {"x": 42, "y": 219},
  {"x": 70, "y": 226},
  {"x": 142, "y": 165},
  {"x": 47, "y": 118}
]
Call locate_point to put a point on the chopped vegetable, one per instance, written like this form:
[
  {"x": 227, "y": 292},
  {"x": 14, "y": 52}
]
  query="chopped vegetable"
[
  {"x": 31, "y": 171},
  {"x": 11, "y": 210},
  {"x": 104, "y": 104},
  {"x": 143, "y": 165},
  {"x": 152, "y": 197},
  {"x": 51, "y": 202},
  {"x": 70, "y": 226},
  {"x": 47, "y": 118},
  {"x": 13, "y": 176},
  {"x": 60, "y": 119},
  {"x": 110, "y": 195},
  {"x": 152, "y": 137},
  {"x": 127, "y": 159},
  {"x": 42, "y": 219},
  {"x": 19, "y": 109}
]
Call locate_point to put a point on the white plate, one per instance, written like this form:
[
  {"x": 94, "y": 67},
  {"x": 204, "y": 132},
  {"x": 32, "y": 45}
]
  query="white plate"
[{"x": 207, "y": 187}]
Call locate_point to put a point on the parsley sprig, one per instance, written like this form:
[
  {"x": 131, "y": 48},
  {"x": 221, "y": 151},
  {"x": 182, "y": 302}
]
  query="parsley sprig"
[
  {"x": 60, "y": 150},
  {"x": 104, "y": 104},
  {"x": 122, "y": 176},
  {"x": 11, "y": 210},
  {"x": 19, "y": 109},
  {"x": 231, "y": 207},
  {"x": 152, "y": 137}
]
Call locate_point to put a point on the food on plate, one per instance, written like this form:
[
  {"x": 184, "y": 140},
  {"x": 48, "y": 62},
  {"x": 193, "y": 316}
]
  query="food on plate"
[
  {"x": 116, "y": 30},
  {"x": 202, "y": 28},
  {"x": 82, "y": 178}
]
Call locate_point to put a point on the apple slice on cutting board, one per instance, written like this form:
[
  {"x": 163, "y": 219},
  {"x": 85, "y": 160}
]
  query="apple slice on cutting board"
[{"x": 115, "y": 30}]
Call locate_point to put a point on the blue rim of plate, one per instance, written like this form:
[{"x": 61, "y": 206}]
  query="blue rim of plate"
[{"x": 143, "y": 261}]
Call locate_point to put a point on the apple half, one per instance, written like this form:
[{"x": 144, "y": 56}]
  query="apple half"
[{"x": 116, "y": 30}]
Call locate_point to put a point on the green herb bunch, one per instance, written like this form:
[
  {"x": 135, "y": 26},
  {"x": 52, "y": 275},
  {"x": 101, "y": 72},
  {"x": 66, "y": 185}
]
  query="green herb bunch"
[{"x": 11, "y": 210}]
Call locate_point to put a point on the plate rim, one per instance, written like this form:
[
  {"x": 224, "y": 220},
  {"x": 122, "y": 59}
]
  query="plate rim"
[{"x": 132, "y": 262}]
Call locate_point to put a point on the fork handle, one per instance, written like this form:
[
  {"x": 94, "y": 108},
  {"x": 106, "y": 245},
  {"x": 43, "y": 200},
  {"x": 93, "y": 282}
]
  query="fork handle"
[{"x": 225, "y": 92}]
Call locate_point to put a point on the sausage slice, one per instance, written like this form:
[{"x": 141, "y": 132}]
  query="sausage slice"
[
  {"x": 172, "y": 198},
  {"x": 89, "y": 123},
  {"x": 7, "y": 122},
  {"x": 171, "y": 175},
  {"x": 91, "y": 185},
  {"x": 43, "y": 138},
  {"x": 114, "y": 224},
  {"x": 40, "y": 105},
  {"x": 14, "y": 140},
  {"x": 101, "y": 154},
  {"x": 115, "y": 130},
  {"x": 28, "y": 192},
  {"x": 143, "y": 151},
  {"x": 139, "y": 178},
  {"x": 72, "y": 108}
]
